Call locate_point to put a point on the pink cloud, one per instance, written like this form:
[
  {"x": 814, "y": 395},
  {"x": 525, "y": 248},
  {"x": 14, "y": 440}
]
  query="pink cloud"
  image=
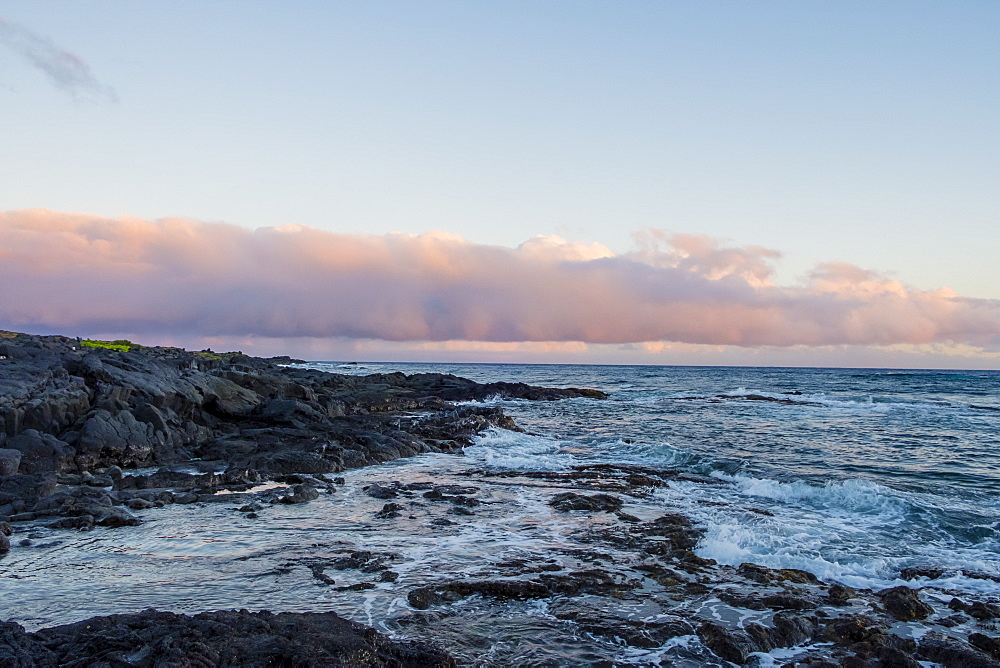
[{"x": 76, "y": 273}]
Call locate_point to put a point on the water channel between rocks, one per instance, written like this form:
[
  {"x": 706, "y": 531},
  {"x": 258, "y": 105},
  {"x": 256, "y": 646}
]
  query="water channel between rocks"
[{"x": 211, "y": 556}]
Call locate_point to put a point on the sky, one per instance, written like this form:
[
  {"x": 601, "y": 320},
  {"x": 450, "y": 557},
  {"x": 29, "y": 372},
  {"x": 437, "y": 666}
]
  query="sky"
[{"x": 767, "y": 183}]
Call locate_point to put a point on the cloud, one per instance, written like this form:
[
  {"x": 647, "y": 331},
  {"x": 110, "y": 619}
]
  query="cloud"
[
  {"x": 65, "y": 70},
  {"x": 69, "y": 272}
]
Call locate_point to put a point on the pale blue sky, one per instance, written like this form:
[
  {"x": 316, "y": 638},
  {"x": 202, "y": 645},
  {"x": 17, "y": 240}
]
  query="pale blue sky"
[{"x": 863, "y": 132}]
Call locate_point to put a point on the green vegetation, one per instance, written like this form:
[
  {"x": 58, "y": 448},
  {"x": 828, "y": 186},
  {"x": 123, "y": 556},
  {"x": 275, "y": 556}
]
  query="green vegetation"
[
  {"x": 120, "y": 345},
  {"x": 212, "y": 355}
]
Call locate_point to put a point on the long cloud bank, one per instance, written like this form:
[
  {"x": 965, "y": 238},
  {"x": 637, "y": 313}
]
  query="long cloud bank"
[{"x": 80, "y": 273}]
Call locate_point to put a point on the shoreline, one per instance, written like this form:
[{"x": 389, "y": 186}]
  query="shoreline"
[{"x": 632, "y": 558}]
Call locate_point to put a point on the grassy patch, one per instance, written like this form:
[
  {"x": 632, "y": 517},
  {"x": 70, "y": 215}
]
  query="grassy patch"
[
  {"x": 120, "y": 345},
  {"x": 212, "y": 355}
]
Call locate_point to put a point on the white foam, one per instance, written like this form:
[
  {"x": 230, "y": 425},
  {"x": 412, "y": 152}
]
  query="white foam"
[
  {"x": 779, "y": 656},
  {"x": 866, "y": 404},
  {"x": 499, "y": 448},
  {"x": 851, "y": 497},
  {"x": 849, "y": 531}
]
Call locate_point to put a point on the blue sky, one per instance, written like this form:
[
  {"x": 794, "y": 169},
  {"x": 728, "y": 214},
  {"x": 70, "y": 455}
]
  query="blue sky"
[{"x": 851, "y": 132}]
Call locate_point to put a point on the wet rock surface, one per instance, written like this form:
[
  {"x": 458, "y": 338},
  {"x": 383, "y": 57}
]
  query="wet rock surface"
[{"x": 230, "y": 638}]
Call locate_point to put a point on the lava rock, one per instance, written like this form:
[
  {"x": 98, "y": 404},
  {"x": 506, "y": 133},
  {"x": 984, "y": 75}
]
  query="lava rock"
[
  {"x": 839, "y": 594},
  {"x": 985, "y": 644},
  {"x": 765, "y": 575},
  {"x": 592, "y": 581},
  {"x": 904, "y": 604},
  {"x": 567, "y": 501},
  {"x": 225, "y": 638},
  {"x": 633, "y": 633},
  {"x": 732, "y": 645},
  {"x": 300, "y": 494},
  {"x": 953, "y": 653},
  {"x": 378, "y": 491},
  {"x": 10, "y": 460}
]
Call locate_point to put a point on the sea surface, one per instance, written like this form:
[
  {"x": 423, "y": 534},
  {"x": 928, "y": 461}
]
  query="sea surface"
[
  {"x": 852, "y": 474},
  {"x": 866, "y": 471}
]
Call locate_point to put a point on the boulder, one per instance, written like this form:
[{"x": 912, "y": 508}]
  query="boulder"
[
  {"x": 300, "y": 494},
  {"x": 567, "y": 501},
  {"x": 953, "y": 653},
  {"x": 42, "y": 452},
  {"x": 118, "y": 439},
  {"x": 10, "y": 461},
  {"x": 904, "y": 604}
]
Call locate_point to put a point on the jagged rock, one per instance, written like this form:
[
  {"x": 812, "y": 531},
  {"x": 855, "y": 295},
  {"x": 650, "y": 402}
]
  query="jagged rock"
[
  {"x": 978, "y": 609},
  {"x": 870, "y": 642},
  {"x": 783, "y": 600},
  {"x": 287, "y": 411},
  {"x": 20, "y": 650},
  {"x": 72, "y": 411},
  {"x": 984, "y": 643},
  {"x": 839, "y": 594},
  {"x": 567, "y": 501},
  {"x": 546, "y": 585},
  {"x": 10, "y": 460},
  {"x": 953, "y": 653},
  {"x": 293, "y": 461},
  {"x": 389, "y": 511},
  {"x": 765, "y": 575},
  {"x": 670, "y": 536},
  {"x": 41, "y": 453},
  {"x": 634, "y": 633},
  {"x": 300, "y": 494},
  {"x": 904, "y": 604},
  {"x": 114, "y": 439},
  {"x": 914, "y": 572},
  {"x": 27, "y": 489},
  {"x": 732, "y": 645},
  {"x": 225, "y": 638},
  {"x": 139, "y": 504},
  {"x": 377, "y": 491}
]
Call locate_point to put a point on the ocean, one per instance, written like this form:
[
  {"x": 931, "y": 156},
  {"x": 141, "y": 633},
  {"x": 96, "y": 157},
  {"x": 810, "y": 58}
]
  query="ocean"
[
  {"x": 851, "y": 474},
  {"x": 863, "y": 471}
]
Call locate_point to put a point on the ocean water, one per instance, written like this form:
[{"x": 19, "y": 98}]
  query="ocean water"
[
  {"x": 864, "y": 471},
  {"x": 852, "y": 474}
]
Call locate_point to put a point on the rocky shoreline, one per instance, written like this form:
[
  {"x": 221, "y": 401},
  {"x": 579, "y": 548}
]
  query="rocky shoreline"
[{"x": 97, "y": 437}]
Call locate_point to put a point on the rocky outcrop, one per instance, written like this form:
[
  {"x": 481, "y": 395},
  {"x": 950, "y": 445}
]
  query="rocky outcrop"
[
  {"x": 68, "y": 410},
  {"x": 227, "y": 638}
]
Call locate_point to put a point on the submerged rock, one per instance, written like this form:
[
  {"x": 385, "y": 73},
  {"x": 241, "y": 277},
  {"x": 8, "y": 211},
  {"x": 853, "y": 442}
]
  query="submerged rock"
[
  {"x": 567, "y": 501},
  {"x": 600, "y": 583}
]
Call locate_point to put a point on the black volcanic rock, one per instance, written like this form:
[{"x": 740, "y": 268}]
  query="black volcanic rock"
[
  {"x": 904, "y": 603},
  {"x": 225, "y": 638},
  {"x": 73, "y": 410},
  {"x": 567, "y": 501}
]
